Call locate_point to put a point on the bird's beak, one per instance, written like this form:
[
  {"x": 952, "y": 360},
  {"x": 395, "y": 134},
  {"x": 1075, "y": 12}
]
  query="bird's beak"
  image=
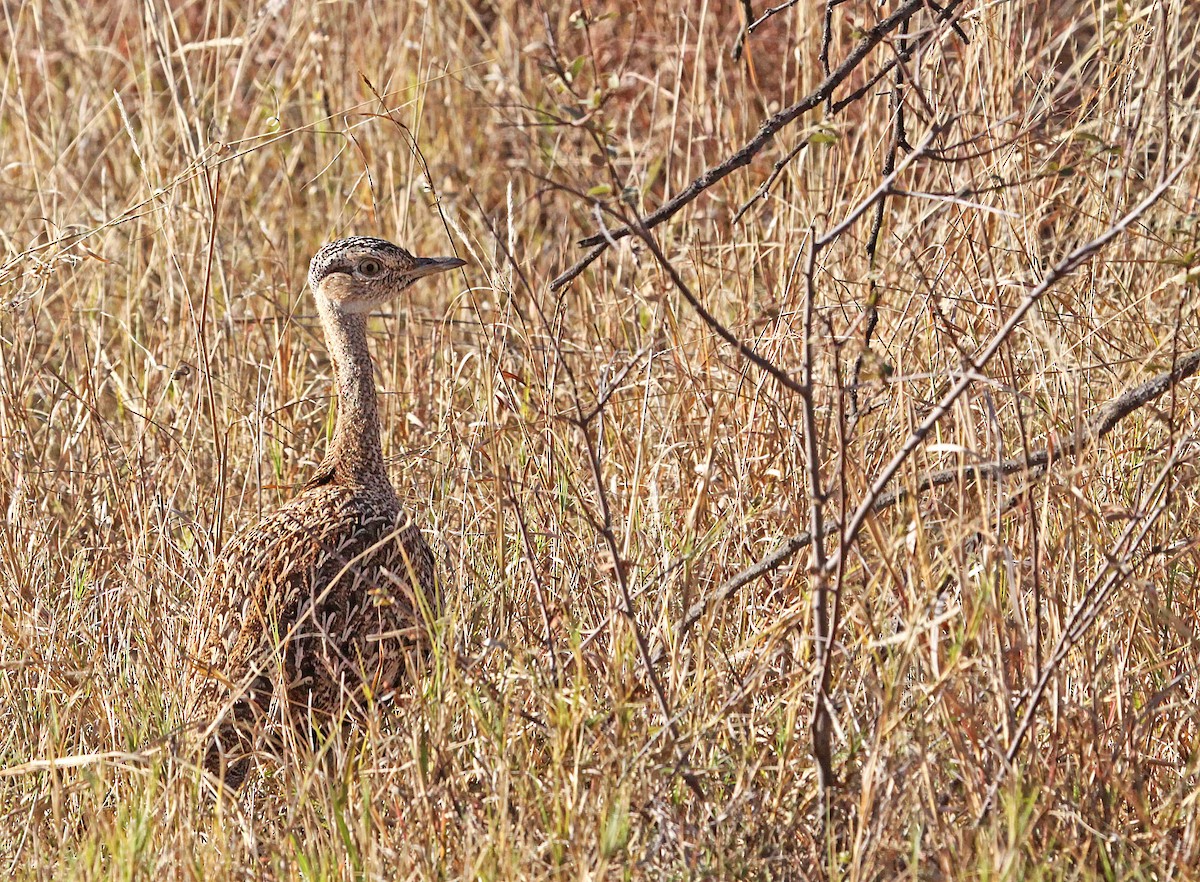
[{"x": 427, "y": 266}]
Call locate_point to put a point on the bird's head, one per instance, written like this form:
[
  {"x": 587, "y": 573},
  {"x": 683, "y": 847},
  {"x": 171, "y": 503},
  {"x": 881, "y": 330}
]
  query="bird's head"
[{"x": 359, "y": 274}]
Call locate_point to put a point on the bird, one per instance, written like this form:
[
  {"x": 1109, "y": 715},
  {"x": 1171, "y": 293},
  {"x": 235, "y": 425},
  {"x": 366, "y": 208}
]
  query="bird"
[{"x": 320, "y": 609}]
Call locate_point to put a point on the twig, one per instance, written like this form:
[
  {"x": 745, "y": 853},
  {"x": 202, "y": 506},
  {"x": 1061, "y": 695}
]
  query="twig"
[
  {"x": 1037, "y": 463},
  {"x": 747, "y": 18},
  {"x": 976, "y": 365},
  {"x": 709, "y": 319},
  {"x": 536, "y": 577},
  {"x": 821, "y": 722},
  {"x": 598, "y": 244},
  {"x": 1112, "y": 574},
  {"x": 614, "y": 551},
  {"x": 747, "y": 351},
  {"x": 774, "y": 10},
  {"x": 898, "y": 139},
  {"x": 765, "y": 187},
  {"x": 885, "y": 186},
  {"x": 826, "y": 37}
]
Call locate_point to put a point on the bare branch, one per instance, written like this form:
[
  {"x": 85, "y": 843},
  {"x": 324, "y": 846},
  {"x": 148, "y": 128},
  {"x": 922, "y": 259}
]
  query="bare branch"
[
  {"x": 1037, "y": 464},
  {"x": 976, "y": 365},
  {"x": 884, "y": 187},
  {"x": 709, "y": 319},
  {"x": 821, "y": 723},
  {"x": 767, "y": 131},
  {"x": 1114, "y": 572}
]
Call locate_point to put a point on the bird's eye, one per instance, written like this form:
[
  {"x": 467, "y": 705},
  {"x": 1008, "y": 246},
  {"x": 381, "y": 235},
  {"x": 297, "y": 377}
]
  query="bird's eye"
[{"x": 370, "y": 267}]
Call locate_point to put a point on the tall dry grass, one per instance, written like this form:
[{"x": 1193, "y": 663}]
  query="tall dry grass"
[{"x": 166, "y": 170}]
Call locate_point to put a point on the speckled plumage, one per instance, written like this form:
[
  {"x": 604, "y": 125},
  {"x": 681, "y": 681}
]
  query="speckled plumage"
[{"x": 320, "y": 608}]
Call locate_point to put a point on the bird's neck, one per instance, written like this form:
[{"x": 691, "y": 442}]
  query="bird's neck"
[{"x": 355, "y": 454}]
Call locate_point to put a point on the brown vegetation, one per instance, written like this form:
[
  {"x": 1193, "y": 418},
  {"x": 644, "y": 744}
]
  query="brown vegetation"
[{"x": 623, "y": 682}]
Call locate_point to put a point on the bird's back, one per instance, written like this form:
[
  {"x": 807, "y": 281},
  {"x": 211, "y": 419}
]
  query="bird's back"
[{"x": 325, "y": 600}]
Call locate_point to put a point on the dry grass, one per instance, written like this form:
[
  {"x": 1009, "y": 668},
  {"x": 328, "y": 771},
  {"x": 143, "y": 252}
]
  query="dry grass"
[{"x": 165, "y": 175}]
